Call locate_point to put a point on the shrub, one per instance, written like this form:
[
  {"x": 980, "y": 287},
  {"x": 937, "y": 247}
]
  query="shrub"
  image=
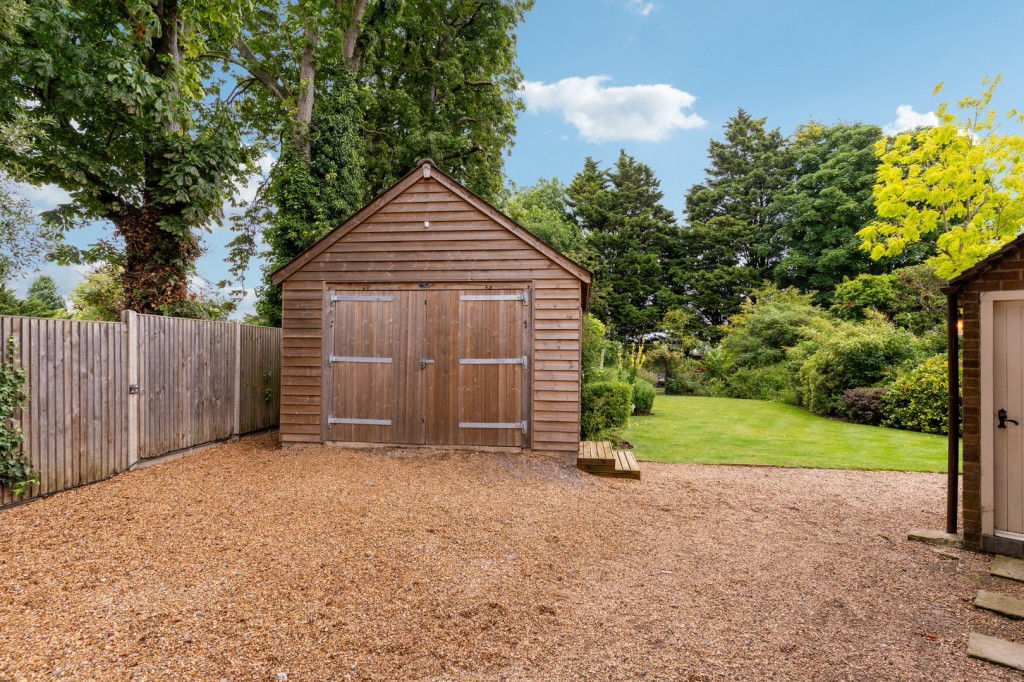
[
  {"x": 606, "y": 406},
  {"x": 687, "y": 378},
  {"x": 843, "y": 355},
  {"x": 643, "y": 396},
  {"x": 864, "y": 405},
  {"x": 855, "y": 298},
  {"x": 593, "y": 344},
  {"x": 776, "y": 383},
  {"x": 917, "y": 399},
  {"x": 768, "y": 323}
]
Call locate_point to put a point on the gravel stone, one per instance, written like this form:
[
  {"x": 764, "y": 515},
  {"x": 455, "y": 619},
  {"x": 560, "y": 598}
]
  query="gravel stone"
[{"x": 272, "y": 560}]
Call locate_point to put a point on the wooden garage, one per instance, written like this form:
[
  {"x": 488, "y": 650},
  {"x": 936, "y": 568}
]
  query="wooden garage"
[
  {"x": 430, "y": 318},
  {"x": 991, "y": 296}
]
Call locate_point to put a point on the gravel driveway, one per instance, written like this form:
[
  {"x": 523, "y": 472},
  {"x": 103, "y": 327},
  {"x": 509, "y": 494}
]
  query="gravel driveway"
[{"x": 246, "y": 562}]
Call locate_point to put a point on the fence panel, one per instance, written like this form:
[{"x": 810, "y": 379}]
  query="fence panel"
[
  {"x": 75, "y": 422},
  {"x": 260, "y": 379},
  {"x": 198, "y": 382},
  {"x": 186, "y": 383}
]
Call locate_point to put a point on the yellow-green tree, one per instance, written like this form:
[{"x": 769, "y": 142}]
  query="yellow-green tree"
[{"x": 958, "y": 183}]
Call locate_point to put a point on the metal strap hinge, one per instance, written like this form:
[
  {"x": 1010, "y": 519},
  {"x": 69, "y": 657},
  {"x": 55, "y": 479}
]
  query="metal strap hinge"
[
  {"x": 353, "y": 297},
  {"x": 524, "y": 296},
  {"x": 348, "y": 358},
  {"x": 494, "y": 425},
  {"x": 524, "y": 361},
  {"x": 363, "y": 422}
]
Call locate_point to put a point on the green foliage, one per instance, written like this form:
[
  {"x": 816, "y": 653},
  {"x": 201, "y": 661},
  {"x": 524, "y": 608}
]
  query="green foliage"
[
  {"x": 22, "y": 241},
  {"x": 769, "y": 322},
  {"x": 828, "y": 202},
  {"x": 120, "y": 108},
  {"x": 958, "y": 183},
  {"x": 917, "y": 399},
  {"x": 99, "y": 296},
  {"x": 855, "y": 299},
  {"x": 630, "y": 235},
  {"x": 709, "y": 274},
  {"x": 43, "y": 294},
  {"x": 748, "y": 172},
  {"x": 677, "y": 325},
  {"x": 911, "y": 297},
  {"x": 605, "y": 407},
  {"x": 543, "y": 209},
  {"x": 841, "y": 355},
  {"x": 15, "y": 469},
  {"x": 643, "y": 396},
  {"x": 687, "y": 378},
  {"x": 776, "y": 383},
  {"x": 312, "y": 195},
  {"x": 593, "y": 345}
]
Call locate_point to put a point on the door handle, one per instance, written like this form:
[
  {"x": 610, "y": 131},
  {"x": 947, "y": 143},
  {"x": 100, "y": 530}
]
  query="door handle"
[
  {"x": 425, "y": 361},
  {"x": 1001, "y": 415}
]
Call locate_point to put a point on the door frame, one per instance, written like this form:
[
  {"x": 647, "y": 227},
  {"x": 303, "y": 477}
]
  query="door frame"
[
  {"x": 987, "y": 407},
  {"x": 327, "y": 325}
]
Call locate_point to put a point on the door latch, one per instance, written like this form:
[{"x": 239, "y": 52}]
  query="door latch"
[
  {"x": 1001, "y": 415},
  {"x": 425, "y": 361}
]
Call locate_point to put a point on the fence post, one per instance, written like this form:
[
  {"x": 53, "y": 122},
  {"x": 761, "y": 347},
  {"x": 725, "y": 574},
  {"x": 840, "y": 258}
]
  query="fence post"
[
  {"x": 237, "y": 429},
  {"x": 130, "y": 319}
]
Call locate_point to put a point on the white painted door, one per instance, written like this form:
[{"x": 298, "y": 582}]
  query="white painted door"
[{"x": 1008, "y": 407}]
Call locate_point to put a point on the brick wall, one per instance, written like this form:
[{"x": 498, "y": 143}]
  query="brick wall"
[{"x": 1006, "y": 275}]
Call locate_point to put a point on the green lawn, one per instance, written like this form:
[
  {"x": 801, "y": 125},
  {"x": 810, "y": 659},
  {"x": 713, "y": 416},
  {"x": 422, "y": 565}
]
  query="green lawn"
[{"x": 727, "y": 431}]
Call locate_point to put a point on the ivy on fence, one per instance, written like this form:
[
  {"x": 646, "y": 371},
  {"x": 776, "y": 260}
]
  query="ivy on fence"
[{"x": 15, "y": 468}]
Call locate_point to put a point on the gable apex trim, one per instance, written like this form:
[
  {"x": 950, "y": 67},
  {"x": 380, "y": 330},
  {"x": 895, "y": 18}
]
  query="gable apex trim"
[{"x": 427, "y": 169}]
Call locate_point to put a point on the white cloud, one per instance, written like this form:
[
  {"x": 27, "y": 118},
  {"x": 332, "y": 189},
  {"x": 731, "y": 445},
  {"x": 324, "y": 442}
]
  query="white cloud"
[
  {"x": 645, "y": 113},
  {"x": 908, "y": 119},
  {"x": 44, "y": 197},
  {"x": 247, "y": 192},
  {"x": 640, "y": 7}
]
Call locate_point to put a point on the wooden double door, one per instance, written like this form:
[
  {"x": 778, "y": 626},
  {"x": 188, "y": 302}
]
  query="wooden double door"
[{"x": 428, "y": 366}]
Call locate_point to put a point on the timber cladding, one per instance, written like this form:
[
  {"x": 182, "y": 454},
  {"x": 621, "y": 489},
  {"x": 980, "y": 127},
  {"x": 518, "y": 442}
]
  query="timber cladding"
[{"x": 431, "y": 318}]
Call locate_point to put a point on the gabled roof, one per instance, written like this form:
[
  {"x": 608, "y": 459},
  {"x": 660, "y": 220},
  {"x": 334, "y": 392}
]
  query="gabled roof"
[
  {"x": 1011, "y": 247},
  {"x": 427, "y": 169}
]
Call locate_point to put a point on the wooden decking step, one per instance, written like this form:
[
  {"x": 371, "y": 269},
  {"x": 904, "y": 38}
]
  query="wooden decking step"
[
  {"x": 1005, "y": 606},
  {"x": 995, "y": 650},
  {"x": 1006, "y": 567},
  {"x": 598, "y": 457}
]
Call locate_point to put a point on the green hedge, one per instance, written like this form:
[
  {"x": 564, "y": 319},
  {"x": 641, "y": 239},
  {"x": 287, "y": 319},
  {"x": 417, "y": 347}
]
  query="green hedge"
[{"x": 606, "y": 407}]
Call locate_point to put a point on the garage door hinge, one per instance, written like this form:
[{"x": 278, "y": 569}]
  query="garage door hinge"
[
  {"x": 526, "y": 297},
  {"x": 523, "y": 361},
  {"x": 495, "y": 425}
]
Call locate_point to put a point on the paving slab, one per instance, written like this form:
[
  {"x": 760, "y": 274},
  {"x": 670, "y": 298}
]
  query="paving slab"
[
  {"x": 996, "y": 650},
  {"x": 1006, "y": 606},
  {"x": 1007, "y": 567},
  {"x": 936, "y": 537}
]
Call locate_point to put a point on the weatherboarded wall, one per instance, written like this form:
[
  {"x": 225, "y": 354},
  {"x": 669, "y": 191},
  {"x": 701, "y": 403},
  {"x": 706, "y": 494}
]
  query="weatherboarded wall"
[
  {"x": 430, "y": 232},
  {"x": 197, "y": 382}
]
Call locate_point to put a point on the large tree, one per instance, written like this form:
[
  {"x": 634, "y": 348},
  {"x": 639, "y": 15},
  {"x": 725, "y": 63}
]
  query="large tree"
[
  {"x": 829, "y": 201},
  {"x": 629, "y": 234},
  {"x": 399, "y": 81},
  {"x": 115, "y": 102},
  {"x": 960, "y": 183},
  {"x": 748, "y": 172}
]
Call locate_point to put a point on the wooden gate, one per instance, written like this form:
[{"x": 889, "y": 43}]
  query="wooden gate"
[
  {"x": 436, "y": 367},
  {"x": 1008, "y": 402}
]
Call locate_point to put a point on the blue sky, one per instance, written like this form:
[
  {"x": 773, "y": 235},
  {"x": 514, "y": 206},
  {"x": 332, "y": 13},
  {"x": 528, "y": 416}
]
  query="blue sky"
[{"x": 661, "y": 78}]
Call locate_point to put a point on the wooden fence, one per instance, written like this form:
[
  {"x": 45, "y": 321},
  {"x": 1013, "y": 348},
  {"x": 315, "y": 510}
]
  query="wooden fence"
[{"x": 103, "y": 395}]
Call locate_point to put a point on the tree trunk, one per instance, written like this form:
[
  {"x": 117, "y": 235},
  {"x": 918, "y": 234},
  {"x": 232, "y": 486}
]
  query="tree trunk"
[{"x": 157, "y": 262}]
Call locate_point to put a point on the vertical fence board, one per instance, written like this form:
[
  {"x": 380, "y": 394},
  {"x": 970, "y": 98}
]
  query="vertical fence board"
[{"x": 199, "y": 382}]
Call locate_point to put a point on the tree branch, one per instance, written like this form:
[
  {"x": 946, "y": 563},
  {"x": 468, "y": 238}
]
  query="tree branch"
[{"x": 251, "y": 64}]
